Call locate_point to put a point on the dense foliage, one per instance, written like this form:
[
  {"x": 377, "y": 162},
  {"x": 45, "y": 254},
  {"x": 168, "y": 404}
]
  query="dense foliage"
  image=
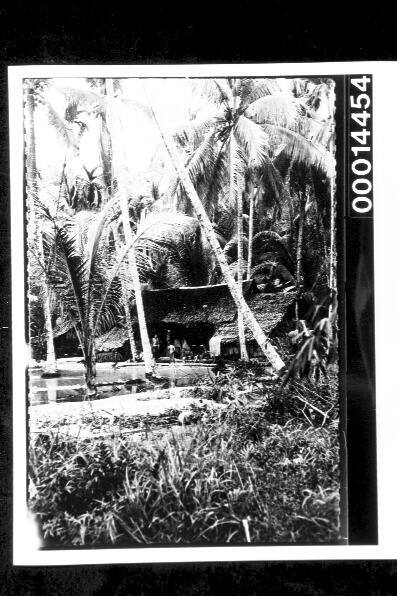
[
  {"x": 250, "y": 195},
  {"x": 266, "y": 472},
  {"x": 259, "y": 153}
]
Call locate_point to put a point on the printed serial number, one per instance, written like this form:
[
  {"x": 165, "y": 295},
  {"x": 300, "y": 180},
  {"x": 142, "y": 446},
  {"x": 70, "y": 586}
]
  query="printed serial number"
[{"x": 361, "y": 167}]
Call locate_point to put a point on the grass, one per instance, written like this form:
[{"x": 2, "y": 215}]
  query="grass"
[{"x": 265, "y": 469}]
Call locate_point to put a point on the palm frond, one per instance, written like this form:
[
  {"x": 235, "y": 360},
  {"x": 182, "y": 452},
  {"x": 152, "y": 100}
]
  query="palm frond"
[
  {"x": 216, "y": 181},
  {"x": 215, "y": 90},
  {"x": 230, "y": 249},
  {"x": 259, "y": 90},
  {"x": 244, "y": 88},
  {"x": 193, "y": 131},
  {"x": 200, "y": 165},
  {"x": 62, "y": 127},
  {"x": 82, "y": 97},
  {"x": 203, "y": 159},
  {"x": 72, "y": 267},
  {"x": 107, "y": 286},
  {"x": 279, "y": 109},
  {"x": 252, "y": 138},
  {"x": 267, "y": 243},
  {"x": 302, "y": 150}
]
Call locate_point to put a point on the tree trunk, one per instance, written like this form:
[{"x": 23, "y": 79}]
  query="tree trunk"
[
  {"x": 250, "y": 233},
  {"x": 126, "y": 307},
  {"x": 205, "y": 222},
  {"x": 332, "y": 258},
  {"x": 239, "y": 204},
  {"x": 287, "y": 195},
  {"x": 50, "y": 367},
  {"x": 302, "y": 204},
  {"x": 90, "y": 370},
  {"x": 88, "y": 349},
  {"x": 146, "y": 347},
  {"x": 129, "y": 322}
]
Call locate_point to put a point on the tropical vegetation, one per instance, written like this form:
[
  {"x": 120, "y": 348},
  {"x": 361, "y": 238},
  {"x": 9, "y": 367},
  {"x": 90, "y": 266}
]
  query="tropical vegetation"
[{"x": 159, "y": 184}]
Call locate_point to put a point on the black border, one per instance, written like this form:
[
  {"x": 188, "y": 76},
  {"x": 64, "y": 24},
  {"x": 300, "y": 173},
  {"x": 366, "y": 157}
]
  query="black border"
[
  {"x": 360, "y": 350},
  {"x": 33, "y": 35}
]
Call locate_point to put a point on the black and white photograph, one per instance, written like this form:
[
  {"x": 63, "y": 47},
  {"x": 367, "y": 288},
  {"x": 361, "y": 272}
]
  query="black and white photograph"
[
  {"x": 196, "y": 332},
  {"x": 182, "y": 311}
]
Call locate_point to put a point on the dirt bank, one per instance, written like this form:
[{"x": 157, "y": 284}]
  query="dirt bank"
[{"x": 121, "y": 413}]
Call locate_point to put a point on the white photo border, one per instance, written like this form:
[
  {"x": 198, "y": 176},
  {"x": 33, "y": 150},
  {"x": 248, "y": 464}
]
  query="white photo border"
[{"x": 385, "y": 218}]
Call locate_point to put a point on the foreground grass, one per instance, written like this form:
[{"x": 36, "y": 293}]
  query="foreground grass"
[{"x": 262, "y": 473}]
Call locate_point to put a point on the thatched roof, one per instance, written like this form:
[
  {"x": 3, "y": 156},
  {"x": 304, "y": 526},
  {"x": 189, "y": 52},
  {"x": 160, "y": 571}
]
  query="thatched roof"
[
  {"x": 193, "y": 306},
  {"x": 269, "y": 311},
  {"x": 111, "y": 340}
]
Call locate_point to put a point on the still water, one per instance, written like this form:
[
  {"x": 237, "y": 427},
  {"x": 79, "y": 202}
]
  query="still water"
[{"x": 70, "y": 385}]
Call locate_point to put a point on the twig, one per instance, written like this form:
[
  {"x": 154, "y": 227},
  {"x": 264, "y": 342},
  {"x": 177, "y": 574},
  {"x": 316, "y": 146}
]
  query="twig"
[{"x": 325, "y": 414}]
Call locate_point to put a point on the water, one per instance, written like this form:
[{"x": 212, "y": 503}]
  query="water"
[{"x": 70, "y": 385}]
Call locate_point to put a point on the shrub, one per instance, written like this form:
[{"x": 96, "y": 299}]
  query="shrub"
[{"x": 239, "y": 477}]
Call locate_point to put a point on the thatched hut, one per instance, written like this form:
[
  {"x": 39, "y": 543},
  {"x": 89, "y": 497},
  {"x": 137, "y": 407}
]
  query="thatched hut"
[
  {"x": 206, "y": 316},
  {"x": 203, "y": 317},
  {"x": 272, "y": 311}
]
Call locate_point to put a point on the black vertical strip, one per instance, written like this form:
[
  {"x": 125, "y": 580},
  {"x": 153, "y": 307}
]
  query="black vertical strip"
[
  {"x": 6, "y": 455},
  {"x": 360, "y": 370},
  {"x": 340, "y": 193}
]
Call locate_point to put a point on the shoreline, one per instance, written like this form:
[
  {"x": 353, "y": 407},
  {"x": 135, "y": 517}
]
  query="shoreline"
[{"x": 81, "y": 419}]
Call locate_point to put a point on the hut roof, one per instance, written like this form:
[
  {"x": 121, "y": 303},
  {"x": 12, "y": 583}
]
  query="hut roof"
[
  {"x": 111, "y": 339},
  {"x": 269, "y": 310},
  {"x": 214, "y": 305},
  {"x": 194, "y": 306}
]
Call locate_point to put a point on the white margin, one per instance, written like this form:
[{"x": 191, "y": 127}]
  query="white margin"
[{"x": 385, "y": 221}]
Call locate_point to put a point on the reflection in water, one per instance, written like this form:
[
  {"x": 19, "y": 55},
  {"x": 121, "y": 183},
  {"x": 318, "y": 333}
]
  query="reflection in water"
[
  {"x": 111, "y": 381},
  {"x": 52, "y": 387}
]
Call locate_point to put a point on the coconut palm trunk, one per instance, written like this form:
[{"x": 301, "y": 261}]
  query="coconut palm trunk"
[
  {"x": 299, "y": 245},
  {"x": 332, "y": 257},
  {"x": 50, "y": 367},
  {"x": 250, "y": 232},
  {"x": 90, "y": 368},
  {"x": 128, "y": 319},
  {"x": 146, "y": 347},
  {"x": 235, "y": 290},
  {"x": 126, "y": 307},
  {"x": 88, "y": 349},
  {"x": 239, "y": 203}
]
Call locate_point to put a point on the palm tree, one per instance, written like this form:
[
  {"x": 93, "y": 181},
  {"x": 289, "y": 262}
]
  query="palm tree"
[
  {"x": 208, "y": 230},
  {"x": 125, "y": 294},
  {"x": 230, "y": 132},
  {"x": 33, "y": 89},
  {"x": 305, "y": 141},
  {"x": 93, "y": 191},
  {"x": 86, "y": 275},
  {"x": 252, "y": 120},
  {"x": 264, "y": 189},
  {"x": 119, "y": 163},
  {"x": 80, "y": 276},
  {"x": 175, "y": 254}
]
